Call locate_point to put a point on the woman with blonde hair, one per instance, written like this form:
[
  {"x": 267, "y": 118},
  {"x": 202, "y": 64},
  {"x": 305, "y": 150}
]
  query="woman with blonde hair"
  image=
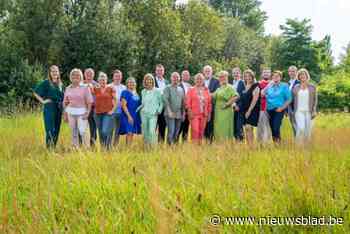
[
  {"x": 151, "y": 107},
  {"x": 50, "y": 93},
  {"x": 198, "y": 105},
  {"x": 250, "y": 104},
  {"x": 224, "y": 97},
  {"x": 105, "y": 104},
  {"x": 130, "y": 122},
  {"x": 305, "y": 105},
  {"x": 77, "y": 103}
]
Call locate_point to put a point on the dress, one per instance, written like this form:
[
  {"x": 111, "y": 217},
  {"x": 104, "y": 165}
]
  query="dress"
[
  {"x": 223, "y": 120},
  {"x": 246, "y": 99},
  {"x": 133, "y": 102}
]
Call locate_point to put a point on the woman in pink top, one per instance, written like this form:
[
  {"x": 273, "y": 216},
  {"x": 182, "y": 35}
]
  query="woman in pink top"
[
  {"x": 198, "y": 104},
  {"x": 77, "y": 102}
]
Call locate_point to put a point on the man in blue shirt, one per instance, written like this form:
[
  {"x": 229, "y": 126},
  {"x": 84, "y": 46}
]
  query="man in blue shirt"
[{"x": 278, "y": 97}]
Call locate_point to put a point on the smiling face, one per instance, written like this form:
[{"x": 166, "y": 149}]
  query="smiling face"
[
  {"x": 89, "y": 75},
  {"x": 102, "y": 80},
  {"x": 223, "y": 79},
  {"x": 236, "y": 73},
  {"x": 276, "y": 78},
  {"x": 117, "y": 77},
  {"x": 75, "y": 78},
  {"x": 160, "y": 71},
  {"x": 54, "y": 74},
  {"x": 175, "y": 78},
  {"x": 185, "y": 76},
  {"x": 303, "y": 77},
  {"x": 199, "y": 80},
  {"x": 266, "y": 74},
  {"x": 208, "y": 72},
  {"x": 292, "y": 72},
  {"x": 131, "y": 85},
  {"x": 149, "y": 84},
  {"x": 248, "y": 78}
]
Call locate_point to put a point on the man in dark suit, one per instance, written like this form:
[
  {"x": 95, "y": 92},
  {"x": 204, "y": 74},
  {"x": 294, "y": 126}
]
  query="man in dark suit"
[
  {"x": 212, "y": 84},
  {"x": 238, "y": 118},
  {"x": 185, "y": 85},
  {"x": 161, "y": 83},
  {"x": 293, "y": 81}
]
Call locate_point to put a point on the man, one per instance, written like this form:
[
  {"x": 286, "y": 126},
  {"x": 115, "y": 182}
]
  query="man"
[
  {"x": 89, "y": 81},
  {"x": 238, "y": 118},
  {"x": 185, "y": 85},
  {"x": 161, "y": 83},
  {"x": 212, "y": 84},
  {"x": 293, "y": 81},
  {"x": 263, "y": 130},
  {"x": 118, "y": 88}
]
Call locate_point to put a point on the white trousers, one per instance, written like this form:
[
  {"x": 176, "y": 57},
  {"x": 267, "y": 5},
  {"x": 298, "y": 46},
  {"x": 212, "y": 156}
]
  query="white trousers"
[
  {"x": 79, "y": 126},
  {"x": 303, "y": 125},
  {"x": 263, "y": 131}
]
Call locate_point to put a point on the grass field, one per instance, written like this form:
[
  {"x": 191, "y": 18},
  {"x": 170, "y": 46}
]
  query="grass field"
[{"x": 171, "y": 190}]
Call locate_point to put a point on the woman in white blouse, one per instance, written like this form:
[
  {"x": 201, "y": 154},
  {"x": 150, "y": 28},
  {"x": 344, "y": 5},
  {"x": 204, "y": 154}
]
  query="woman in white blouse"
[{"x": 305, "y": 104}]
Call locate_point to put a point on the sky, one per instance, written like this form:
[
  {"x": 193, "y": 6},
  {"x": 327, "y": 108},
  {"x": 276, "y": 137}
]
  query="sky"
[{"x": 330, "y": 17}]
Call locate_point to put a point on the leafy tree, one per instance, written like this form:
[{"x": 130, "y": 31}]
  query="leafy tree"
[
  {"x": 345, "y": 60},
  {"x": 324, "y": 54}
]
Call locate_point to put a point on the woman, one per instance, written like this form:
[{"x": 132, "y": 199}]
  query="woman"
[
  {"x": 224, "y": 97},
  {"x": 198, "y": 105},
  {"x": 278, "y": 97},
  {"x": 174, "y": 104},
  {"x": 118, "y": 88},
  {"x": 305, "y": 104},
  {"x": 152, "y": 106},
  {"x": 50, "y": 93},
  {"x": 77, "y": 103},
  {"x": 250, "y": 104},
  {"x": 130, "y": 122},
  {"x": 105, "y": 105}
]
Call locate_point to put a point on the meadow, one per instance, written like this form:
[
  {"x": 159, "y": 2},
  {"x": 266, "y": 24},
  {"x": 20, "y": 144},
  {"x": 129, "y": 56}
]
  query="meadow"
[{"x": 171, "y": 189}]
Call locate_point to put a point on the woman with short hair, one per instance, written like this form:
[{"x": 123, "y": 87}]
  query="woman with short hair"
[
  {"x": 105, "y": 105},
  {"x": 250, "y": 104},
  {"x": 50, "y": 93},
  {"x": 305, "y": 105},
  {"x": 198, "y": 105},
  {"x": 151, "y": 107},
  {"x": 224, "y": 97},
  {"x": 77, "y": 103},
  {"x": 130, "y": 122}
]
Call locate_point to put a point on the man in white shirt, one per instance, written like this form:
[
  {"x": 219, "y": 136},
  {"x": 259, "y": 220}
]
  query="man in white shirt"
[
  {"x": 118, "y": 88},
  {"x": 293, "y": 81},
  {"x": 160, "y": 84},
  {"x": 185, "y": 85}
]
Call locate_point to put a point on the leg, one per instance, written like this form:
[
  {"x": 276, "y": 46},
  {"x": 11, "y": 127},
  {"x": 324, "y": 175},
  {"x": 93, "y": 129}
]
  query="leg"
[
  {"x": 152, "y": 125},
  {"x": 98, "y": 121},
  {"x": 308, "y": 124},
  {"x": 292, "y": 121},
  {"x": 73, "y": 124},
  {"x": 129, "y": 137},
  {"x": 82, "y": 126},
  {"x": 161, "y": 126},
  {"x": 92, "y": 127},
  {"x": 49, "y": 123},
  {"x": 58, "y": 120},
  {"x": 116, "y": 129},
  {"x": 277, "y": 122},
  {"x": 238, "y": 125},
  {"x": 145, "y": 129},
  {"x": 107, "y": 128},
  {"x": 249, "y": 134},
  {"x": 178, "y": 123},
  {"x": 209, "y": 129},
  {"x": 196, "y": 129},
  {"x": 171, "y": 129}
]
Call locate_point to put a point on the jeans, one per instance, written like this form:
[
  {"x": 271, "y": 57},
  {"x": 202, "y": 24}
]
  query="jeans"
[
  {"x": 173, "y": 129},
  {"x": 184, "y": 129},
  {"x": 149, "y": 126},
  {"x": 304, "y": 125},
  {"x": 275, "y": 124},
  {"x": 104, "y": 123},
  {"x": 52, "y": 121},
  {"x": 92, "y": 127},
  {"x": 116, "y": 127},
  {"x": 79, "y": 127},
  {"x": 238, "y": 122}
]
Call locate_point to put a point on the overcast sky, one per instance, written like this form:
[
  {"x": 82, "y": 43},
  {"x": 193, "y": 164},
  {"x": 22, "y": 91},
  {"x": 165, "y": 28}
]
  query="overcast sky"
[{"x": 327, "y": 16}]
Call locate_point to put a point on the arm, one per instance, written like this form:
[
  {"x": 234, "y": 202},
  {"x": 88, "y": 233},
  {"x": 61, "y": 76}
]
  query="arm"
[
  {"x": 166, "y": 97},
  {"x": 314, "y": 108},
  {"x": 160, "y": 102},
  {"x": 114, "y": 102}
]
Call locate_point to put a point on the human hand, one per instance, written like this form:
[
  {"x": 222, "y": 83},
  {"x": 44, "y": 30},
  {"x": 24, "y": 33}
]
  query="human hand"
[{"x": 131, "y": 120}]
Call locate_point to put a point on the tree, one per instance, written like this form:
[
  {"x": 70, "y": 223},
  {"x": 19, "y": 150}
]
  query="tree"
[
  {"x": 324, "y": 54},
  {"x": 345, "y": 60}
]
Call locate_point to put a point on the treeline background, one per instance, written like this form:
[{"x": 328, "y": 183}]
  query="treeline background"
[{"x": 135, "y": 35}]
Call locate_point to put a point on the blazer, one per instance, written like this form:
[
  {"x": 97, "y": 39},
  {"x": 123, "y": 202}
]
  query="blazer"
[
  {"x": 291, "y": 105},
  {"x": 214, "y": 84},
  {"x": 312, "y": 98},
  {"x": 193, "y": 102},
  {"x": 156, "y": 82}
]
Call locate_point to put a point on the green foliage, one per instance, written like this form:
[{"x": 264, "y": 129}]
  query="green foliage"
[
  {"x": 345, "y": 60},
  {"x": 334, "y": 91}
]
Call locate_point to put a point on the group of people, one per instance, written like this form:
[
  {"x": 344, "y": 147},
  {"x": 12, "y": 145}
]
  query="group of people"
[{"x": 211, "y": 108}]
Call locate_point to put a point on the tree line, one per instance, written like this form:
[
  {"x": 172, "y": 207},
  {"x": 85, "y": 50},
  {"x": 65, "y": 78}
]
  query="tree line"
[{"x": 135, "y": 35}]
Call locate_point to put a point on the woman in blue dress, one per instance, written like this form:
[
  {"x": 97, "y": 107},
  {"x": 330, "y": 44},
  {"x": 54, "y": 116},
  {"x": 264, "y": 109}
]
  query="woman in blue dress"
[{"x": 130, "y": 121}]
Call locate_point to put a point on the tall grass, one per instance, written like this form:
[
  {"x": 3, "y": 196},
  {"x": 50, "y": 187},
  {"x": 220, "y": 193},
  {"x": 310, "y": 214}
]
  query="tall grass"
[{"x": 170, "y": 189}]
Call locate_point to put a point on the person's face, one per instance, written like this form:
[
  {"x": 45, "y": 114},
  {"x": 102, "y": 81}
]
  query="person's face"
[
  {"x": 248, "y": 78},
  {"x": 236, "y": 73},
  {"x": 89, "y": 75},
  {"x": 75, "y": 79},
  {"x": 117, "y": 77},
  {"x": 276, "y": 78},
  {"x": 292, "y": 72},
  {"x": 223, "y": 80},
  {"x": 54, "y": 73},
  {"x": 102, "y": 80},
  {"x": 303, "y": 77},
  {"x": 266, "y": 74},
  {"x": 208, "y": 72},
  {"x": 160, "y": 71},
  {"x": 131, "y": 85},
  {"x": 148, "y": 83},
  {"x": 175, "y": 79},
  {"x": 186, "y": 76},
  {"x": 199, "y": 82}
]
